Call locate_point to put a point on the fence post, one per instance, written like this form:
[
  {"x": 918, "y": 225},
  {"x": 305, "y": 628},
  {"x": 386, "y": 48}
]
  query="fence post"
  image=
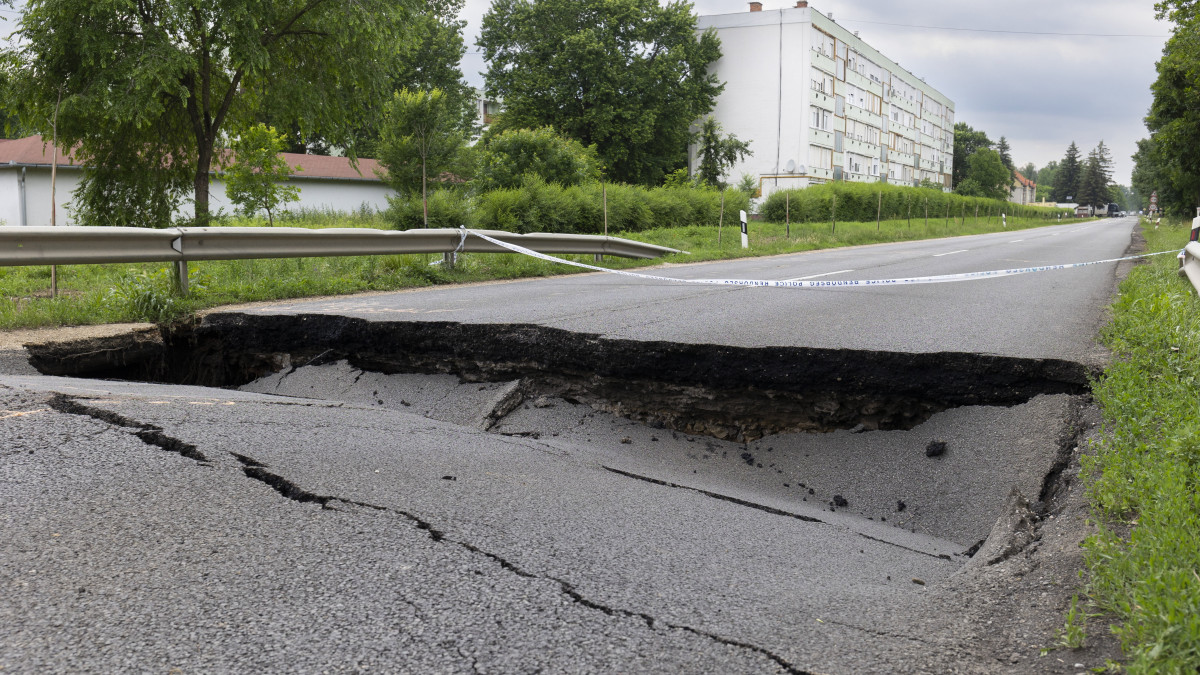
[
  {"x": 833, "y": 214},
  {"x": 787, "y": 211},
  {"x": 927, "y": 214},
  {"x": 721, "y": 219},
  {"x": 878, "y": 210},
  {"x": 181, "y": 277}
]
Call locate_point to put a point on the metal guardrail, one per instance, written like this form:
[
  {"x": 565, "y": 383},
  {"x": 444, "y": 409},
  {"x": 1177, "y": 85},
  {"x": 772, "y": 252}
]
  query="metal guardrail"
[
  {"x": 1189, "y": 264},
  {"x": 77, "y": 245}
]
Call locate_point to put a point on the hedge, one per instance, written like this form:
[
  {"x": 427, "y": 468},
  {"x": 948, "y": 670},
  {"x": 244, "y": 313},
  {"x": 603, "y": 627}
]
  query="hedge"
[
  {"x": 860, "y": 202},
  {"x": 537, "y": 206}
]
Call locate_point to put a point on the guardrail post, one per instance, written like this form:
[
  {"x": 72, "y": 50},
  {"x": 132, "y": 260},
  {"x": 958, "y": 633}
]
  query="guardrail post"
[
  {"x": 181, "y": 277},
  {"x": 448, "y": 259}
]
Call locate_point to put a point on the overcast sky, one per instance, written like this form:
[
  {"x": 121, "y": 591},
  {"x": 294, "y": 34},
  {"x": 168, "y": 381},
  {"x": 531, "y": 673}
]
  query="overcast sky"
[{"x": 1040, "y": 91}]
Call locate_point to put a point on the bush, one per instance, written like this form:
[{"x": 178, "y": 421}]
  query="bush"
[
  {"x": 858, "y": 202},
  {"x": 447, "y": 208},
  {"x": 507, "y": 158}
]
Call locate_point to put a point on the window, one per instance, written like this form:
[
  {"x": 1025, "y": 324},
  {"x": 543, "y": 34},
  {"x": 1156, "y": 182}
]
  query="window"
[
  {"x": 822, "y": 43},
  {"x": 820, "y": 119},
  {"x": 854, "y": 163},
  {"x": 855, "y": 96},
  {"x": 820, "y": 158},
  {"x": 822, "y": 83},
  {"x": 874, "y": 103},
  {"x": 862, "y": 132},
  {"x": 901, "y": 144}
]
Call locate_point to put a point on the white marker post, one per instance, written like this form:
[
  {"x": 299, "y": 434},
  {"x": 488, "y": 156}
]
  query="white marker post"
[{"x": 745, "y": 233}]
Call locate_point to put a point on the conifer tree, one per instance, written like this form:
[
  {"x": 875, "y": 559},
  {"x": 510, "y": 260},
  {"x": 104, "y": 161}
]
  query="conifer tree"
[{"x": 1066, "y": 180}]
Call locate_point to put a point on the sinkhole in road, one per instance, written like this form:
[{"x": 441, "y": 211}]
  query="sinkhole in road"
[
  {"x": 933, "y": 445},
  {"x": 730, "y": 393}
]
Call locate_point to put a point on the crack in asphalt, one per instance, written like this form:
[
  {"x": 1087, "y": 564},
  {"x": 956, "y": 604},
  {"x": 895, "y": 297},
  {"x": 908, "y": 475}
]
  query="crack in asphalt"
[
  {"x": 257, "y": 471},
  {"x": 879, "y": 633},
  {"x": 147, "y": 433},
  {"x": 716, "y": 495},
  {"x": 768, "y": 509}
]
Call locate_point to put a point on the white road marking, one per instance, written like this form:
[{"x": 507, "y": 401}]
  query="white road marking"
[
  {"x": 814, "y": 276},
  {"x": 938, "y": 255},
  {"x": 1015, "y": 241}
]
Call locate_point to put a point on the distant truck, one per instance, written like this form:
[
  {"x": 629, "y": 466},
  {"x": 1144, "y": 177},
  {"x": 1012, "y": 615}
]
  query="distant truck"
[{"x": 1113, "y": 210}]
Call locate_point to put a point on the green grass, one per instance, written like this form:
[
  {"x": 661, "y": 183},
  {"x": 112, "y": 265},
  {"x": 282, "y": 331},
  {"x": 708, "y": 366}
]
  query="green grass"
[
  {"x": 91, "y": 294},
  {"x": 1144, "y": 477}
]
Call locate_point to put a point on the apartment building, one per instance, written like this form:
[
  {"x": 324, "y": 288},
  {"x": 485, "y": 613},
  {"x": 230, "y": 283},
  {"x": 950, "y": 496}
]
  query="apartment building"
[{"x": 818, "y": 104}]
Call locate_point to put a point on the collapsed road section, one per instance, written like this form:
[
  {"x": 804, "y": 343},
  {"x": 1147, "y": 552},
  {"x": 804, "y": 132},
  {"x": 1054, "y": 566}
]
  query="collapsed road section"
[
  {"x": 840, "y": 503},
  {"x": 730, "y": 393}
]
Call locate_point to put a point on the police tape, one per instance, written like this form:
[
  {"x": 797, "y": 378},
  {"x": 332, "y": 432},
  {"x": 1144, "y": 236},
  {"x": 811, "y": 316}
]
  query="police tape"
[{"x": 937, "y": 279}]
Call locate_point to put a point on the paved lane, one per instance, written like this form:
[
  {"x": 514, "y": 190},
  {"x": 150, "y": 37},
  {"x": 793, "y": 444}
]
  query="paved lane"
[{"x": 1041, "y": 315}]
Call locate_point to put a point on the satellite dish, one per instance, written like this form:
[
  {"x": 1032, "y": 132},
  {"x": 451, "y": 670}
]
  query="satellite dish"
[{"x": 791, "y": 166}]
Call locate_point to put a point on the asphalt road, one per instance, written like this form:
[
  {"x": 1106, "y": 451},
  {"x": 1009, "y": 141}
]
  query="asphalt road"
[
  {"x": 338, "y": 521},
  {"x": 1041, "y": 315}
]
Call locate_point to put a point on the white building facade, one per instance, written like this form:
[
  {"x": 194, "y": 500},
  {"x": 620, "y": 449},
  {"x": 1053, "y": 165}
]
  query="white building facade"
[
  {"x": 325, "y": 183},
  {"x": 818, "y": 104}
]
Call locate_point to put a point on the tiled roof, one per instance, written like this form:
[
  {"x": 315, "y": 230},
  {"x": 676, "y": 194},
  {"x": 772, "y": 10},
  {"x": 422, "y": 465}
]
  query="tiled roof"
[
  {"x": 31, "y": 151},
  {"x": 1023, "y": 180}
]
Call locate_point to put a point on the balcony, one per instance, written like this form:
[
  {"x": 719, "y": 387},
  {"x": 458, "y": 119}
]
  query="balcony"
[
  {"x": 861, "y": 147},
  {"x": 822, "y": 62},
  {"x": 864, "y": 82},
  {"x": 905, "y": 104},
  {"x": 823, "y": 101},
  {"x": 864, "y": 116},
  {"x": 821, "y": 138}
]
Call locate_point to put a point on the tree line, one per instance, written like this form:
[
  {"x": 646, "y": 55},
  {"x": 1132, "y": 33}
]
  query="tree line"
[
  {"x": 983, "y": 168},
  {"x": 1168, "y": 161}
]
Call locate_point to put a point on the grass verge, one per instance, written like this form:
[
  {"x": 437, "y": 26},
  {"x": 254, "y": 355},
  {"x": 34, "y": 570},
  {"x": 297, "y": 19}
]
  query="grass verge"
[
  {"x": 91, "y": 294},
  {"x": 1144, "y": 478}
]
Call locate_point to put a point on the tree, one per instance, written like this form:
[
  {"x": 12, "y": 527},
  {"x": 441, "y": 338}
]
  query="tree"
[
  {"x": 1045, "y": 175},
  {"x": 986, "y": 176},
  {"x": 1174, "y": 118},
  {"x": 419, "y": 136},
  {"x": 507, "y": 157},
  {"x": 1151, "y": 173},
  {"x": 1097, "y": 177},
  {"x": 717, "y": 154},
  {"x": 1005, "y": 154},
  {"x": 427, "y": 58},
  {"x": 628, "y": 76},
  {"x": 966, "y": 142},
  {"x": 1030, "y": 171},
  {"x": 1066, "y": 180},
  {"x": 255, "y": 175},
  {"x": 149, "y": 88}
]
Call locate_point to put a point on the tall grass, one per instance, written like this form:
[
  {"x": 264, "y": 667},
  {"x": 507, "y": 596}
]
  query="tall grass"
[{"x": 1145, "y": 474}]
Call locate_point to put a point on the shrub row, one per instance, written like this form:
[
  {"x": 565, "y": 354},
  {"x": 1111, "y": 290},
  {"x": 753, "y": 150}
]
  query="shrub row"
[
  {"x": 537, "y": 206},
  {"x": 860, "y": 202}
]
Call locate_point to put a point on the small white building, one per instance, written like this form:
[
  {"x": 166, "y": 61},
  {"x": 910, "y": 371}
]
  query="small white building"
[
  {"x": 1024, "y": 191},
  {"x": 819, "y": 104},
  {"x": 326, "y": 183}
]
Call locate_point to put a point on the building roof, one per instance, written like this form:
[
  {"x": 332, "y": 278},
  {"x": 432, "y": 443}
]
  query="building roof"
[
  {"x": 33, "y": 151},
  {"x": 1023, "y": 180}
]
